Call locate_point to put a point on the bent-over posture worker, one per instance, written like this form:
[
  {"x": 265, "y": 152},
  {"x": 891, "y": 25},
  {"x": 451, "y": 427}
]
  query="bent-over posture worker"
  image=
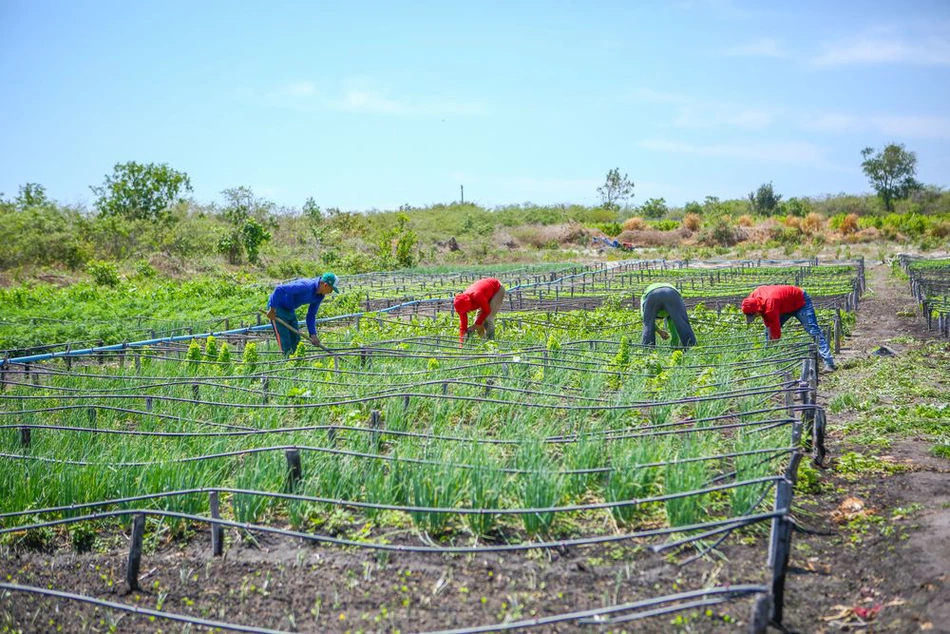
[
  {"x": 486, "y": 297},
  {"x": 287, "y": 298},
  {"x": 776, "y": 305},
  {"x": 663, "y": 301}
]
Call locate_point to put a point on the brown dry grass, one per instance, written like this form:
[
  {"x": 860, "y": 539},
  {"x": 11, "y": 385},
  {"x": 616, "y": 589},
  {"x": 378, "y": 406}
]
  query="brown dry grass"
[
  {"x": 692, "y": 222},
  {"x": 849, "y": 224},
  {"x": 541, "y": 236},
  {"x": 745, "y": 220},
  {"x": 652, "y": 238},
  {"x": 813, "y": 223},
  {"x": 634, "y": 224}
]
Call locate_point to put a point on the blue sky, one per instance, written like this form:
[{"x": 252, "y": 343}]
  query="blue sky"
[{"x": 376, "y": 104}]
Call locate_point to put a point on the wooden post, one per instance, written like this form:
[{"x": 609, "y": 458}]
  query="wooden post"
[
  {"x": 135, "y": 552},
  {"x": 92, "y": 412},
  {"x": 375, "y": 422},
  {"x": 217, "y": 531},
  {"x": 837, "y": 325},
  {"x": 25, "y": 436},
  {"x": 195, "y": 391},
  {"x": 265, "y": 387},
  {"x": 148, "y": 403},
  {"x": 295, "y": 472},
  {"x": 780, "y": 547}
]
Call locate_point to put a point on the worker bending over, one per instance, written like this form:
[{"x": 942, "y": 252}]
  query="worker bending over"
[
  {"x": 287, "y": 298},
  {"x": 486, "y": 297},
  {"x": 663, "y": 301},
  {"x": 776, "y": 305}
]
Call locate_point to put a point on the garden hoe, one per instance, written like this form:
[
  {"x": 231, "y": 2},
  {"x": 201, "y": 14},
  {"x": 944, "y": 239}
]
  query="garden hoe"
[{"x": 280, "y": 321}]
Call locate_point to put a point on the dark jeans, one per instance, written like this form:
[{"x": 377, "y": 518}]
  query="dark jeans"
[
  {"x": 665, "y": 298},
  {"x": 286, "y": 338}
]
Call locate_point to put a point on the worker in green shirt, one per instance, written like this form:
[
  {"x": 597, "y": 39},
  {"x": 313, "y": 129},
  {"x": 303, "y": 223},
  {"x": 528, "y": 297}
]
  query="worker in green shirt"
[{"x": 663, "y": 301}]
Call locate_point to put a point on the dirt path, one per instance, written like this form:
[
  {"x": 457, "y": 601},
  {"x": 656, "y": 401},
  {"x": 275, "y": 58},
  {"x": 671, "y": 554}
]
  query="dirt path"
[{"x": 883, "y": 560}]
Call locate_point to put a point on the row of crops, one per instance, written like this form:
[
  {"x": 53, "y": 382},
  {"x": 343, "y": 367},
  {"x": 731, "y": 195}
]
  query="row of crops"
[
  {"x": 562, "y": 435},
  {"x": 714, "y": 284},
  {"x": 930, "y": 286}
]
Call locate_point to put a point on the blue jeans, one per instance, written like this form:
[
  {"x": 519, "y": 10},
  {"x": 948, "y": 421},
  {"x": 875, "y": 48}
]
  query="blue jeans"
[{"x": 806, "y": 316}]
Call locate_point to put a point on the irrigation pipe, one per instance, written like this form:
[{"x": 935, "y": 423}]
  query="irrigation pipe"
[
  {"x": 134, "y": 609},
  {"x": 724, "y": 525}
]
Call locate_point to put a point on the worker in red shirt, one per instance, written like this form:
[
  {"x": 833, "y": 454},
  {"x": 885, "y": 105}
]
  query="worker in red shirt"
[
  {"x": 776, "y": 305},
  {"x": 486, "y": 297}
]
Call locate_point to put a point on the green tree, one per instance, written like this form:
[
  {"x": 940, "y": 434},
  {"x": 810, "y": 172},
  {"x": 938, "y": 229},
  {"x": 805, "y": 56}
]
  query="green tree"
[
  {"x": 396, "y": 247},
  {"x": 31, "y": 195},
  {"x": 141, "y": 192},
  {"x": 249, "y": 217},
  {"x": 312, "y": 211},
  {"x": 616, "y": 190},
  {"x": 764, "y": 200},
  {"x": 654, "y": 208},
  {"x": 892, "y": 172}
]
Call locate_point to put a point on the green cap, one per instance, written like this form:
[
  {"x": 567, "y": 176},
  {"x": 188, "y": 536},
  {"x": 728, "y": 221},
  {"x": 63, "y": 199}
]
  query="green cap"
[{"x": 330, "y": 279}]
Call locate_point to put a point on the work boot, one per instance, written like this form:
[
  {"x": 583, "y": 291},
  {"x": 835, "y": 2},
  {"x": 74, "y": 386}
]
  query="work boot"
[{"x": 830, "y": 366}]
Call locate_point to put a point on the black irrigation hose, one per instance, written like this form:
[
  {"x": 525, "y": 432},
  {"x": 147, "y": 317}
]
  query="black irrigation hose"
[
  {"x": 707, "y": 527},
  {"x": 761, "y": 390},
  {"x": 293, "y": 497},
  {"x": 396, "y": 459},
  {"x": 171, "y": 616},
  {"x": 613, "y": 434},
  {"x": 591, "y": 617}
]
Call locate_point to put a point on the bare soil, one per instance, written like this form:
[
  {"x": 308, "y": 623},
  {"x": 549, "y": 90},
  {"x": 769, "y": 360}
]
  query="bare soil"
[
  {"x": 846, "y": 580},
  {"x": 850, "y": 574}
]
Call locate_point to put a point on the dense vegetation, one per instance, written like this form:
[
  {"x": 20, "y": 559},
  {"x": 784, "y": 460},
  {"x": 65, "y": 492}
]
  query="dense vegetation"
[{"x": 177, "y": 236}]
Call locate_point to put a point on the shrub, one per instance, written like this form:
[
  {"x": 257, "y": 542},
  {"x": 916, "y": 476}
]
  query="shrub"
[
  {"x": 812, "y": 223},
  {"x": 144, "y": 268},
  {"x": 104, "y": 273},
  {"x": 224, "y": 354},
  {"x": 793, "y": 222},
  {"x": 211, "y": 348},
  {"x": 249, "y": 358},
  {"x": 849, "y": 224},
  {"x": 194, "y": 352},
  {"x": 939, "y": 229},
  {"x": 611, "y": 229},
  {"x": 665, "y": 225},
  {"x": 542, "y": 236},
  {"x": 722, "y": 233},
  {"x": 634, "y": 224},
  {"x": 692, "y": 221},
  {"x": 745, "y": 220}
]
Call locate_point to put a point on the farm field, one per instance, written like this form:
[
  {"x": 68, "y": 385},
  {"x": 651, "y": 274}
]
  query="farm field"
[{"x": 560, "y": 478}]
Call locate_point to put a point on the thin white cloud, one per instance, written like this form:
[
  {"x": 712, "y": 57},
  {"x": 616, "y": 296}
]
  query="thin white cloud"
[
  {"x": 790, "y": 153},
  {"x": 887, "y": 46},
  {"x": 761, "y": 47},
  {"x": 360, "y": 96},
  {"x": 697, "y": 112},
  {"x": 712, "y": 116},
  {"x": 924, "y": 127}
]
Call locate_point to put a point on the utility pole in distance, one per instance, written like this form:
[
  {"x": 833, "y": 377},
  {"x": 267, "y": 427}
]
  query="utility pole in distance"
[{"x": 462, "y": 190}]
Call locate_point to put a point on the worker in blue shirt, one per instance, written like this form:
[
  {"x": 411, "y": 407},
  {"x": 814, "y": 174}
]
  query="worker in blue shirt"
[{"x": 287, "y": 298}]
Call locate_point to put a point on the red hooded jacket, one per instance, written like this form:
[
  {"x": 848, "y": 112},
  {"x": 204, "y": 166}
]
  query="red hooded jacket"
[
  {"x": 773, "y": 302},
  {"x": 475, "y": 297}
]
